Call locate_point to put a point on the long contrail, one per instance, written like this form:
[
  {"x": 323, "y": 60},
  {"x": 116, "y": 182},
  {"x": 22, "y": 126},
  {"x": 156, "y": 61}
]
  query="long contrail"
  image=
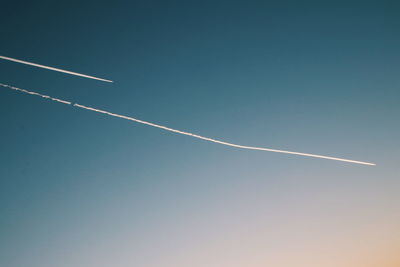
[
  {"x": 182, "y": 132},
  {"x": 55, "y": 69}
]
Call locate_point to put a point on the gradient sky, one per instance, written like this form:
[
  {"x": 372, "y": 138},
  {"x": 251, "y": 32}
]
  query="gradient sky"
[{"x": 82, "y": 189}]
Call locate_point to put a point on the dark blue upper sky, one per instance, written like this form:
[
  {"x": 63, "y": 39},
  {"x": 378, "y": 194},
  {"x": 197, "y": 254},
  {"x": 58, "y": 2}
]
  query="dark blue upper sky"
[{"x": 310, "y": 76}]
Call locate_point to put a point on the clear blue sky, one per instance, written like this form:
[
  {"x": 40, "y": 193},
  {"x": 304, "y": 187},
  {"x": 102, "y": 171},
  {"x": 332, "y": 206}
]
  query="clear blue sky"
[{"x": 81, "y": 189}]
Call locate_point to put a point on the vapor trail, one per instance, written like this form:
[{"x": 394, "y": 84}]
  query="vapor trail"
[
  {"x": 182, "y": 132},
  {"x": 55, "y": 69}
]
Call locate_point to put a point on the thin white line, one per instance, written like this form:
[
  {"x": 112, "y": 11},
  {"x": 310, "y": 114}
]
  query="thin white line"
[
  {"x": 34, "y": 93},
  {"x": 187, "y": 133},
  {"x": 54, "y": 69}
]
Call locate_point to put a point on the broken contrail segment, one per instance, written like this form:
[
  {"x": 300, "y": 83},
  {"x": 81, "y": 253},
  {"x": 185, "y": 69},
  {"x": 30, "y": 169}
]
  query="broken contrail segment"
[
  {"x": 182, "y": 132},
  {"x": 54, "y": 69}
]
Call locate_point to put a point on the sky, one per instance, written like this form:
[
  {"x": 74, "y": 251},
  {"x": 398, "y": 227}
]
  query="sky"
[{"x": 78, "y": 188}]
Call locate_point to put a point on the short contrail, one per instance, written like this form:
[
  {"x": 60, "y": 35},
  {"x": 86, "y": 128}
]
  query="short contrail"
[
  {"x": 51, "y": 68},
  {"x": 182, "y": 132}
]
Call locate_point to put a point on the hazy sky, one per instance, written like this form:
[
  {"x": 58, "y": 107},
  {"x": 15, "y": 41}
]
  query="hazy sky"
[{"x": 82, "y": 189}]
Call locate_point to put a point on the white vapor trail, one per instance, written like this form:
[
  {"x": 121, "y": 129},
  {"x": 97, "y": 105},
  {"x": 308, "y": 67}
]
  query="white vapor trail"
[
  {"x": 185, "y": 133},
  {"x": 54, "y": 69}
]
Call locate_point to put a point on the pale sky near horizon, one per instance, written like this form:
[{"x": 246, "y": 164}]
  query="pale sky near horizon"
[{"x": 82, "y": 189}]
